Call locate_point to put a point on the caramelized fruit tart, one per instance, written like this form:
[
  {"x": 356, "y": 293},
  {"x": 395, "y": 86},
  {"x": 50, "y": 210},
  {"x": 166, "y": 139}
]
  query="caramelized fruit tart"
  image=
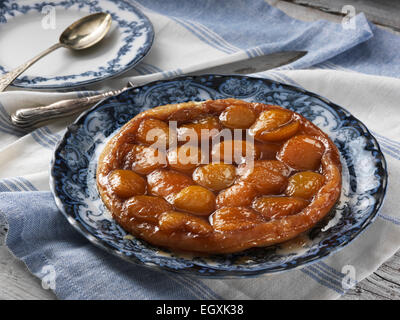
[{"x": 219, "y": 176}]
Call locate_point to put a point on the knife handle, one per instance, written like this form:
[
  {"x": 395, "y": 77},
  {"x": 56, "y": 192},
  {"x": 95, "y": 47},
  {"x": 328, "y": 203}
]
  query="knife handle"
[{"x": 34, "y": 117}]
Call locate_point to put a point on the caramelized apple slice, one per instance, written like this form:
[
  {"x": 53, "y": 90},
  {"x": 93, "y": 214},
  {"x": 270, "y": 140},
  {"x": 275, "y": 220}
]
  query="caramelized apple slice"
[
  {"x": 238, "y": 195},
  {"x": 302, "y": 152},
  {"x": 215, "y": 176},
  {"x": 234, "y": 219},
  {"x": 184, "y": 158},
  {"x": 268, "y": 151},
  {"x": 195, "y": 199},
  {"x": 272, "y": 165},
  {"x": 267, "y": 177},
  {"x": 146, "y": 208},
  {"x": 151, "y": 131},
  {"x": 237, "y": 117},
  {"x": 165, "y": 183},
  {"x": 234, "y": 151},
  {"x": 126, "y": 183},
  {"x": 274, "y": 125},
  {"x": 204, "y": 128},
  {"x": 278, "y": 207},
  {"x": 144, "y": 160},
  {"x": 281, "y": 133},
  {"x": 175, "y": 221},
  {"x": 305, "y": 184}
]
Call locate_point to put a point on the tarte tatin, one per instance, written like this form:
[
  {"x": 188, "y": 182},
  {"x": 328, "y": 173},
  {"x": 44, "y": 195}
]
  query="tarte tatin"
[{"x": 271, "y": 176}]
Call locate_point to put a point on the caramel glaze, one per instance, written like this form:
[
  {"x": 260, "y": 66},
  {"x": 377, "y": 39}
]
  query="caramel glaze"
[{"x": 204, "y": 238}]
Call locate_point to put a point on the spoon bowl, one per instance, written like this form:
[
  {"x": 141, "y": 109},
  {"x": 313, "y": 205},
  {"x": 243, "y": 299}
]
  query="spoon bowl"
[{"x": 87, "y": 31}]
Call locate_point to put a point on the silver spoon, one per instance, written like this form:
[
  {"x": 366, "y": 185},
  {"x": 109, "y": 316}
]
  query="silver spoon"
[{"x": 82, "y": 34}]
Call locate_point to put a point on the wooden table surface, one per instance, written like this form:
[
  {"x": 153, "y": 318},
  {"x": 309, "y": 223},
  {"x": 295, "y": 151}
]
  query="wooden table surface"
[{"x": 17, "y": 283}]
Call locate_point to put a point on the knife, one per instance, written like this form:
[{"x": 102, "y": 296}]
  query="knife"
[
  {"x": 256, "y": 64},
  {"x": 30, "y": 118}
]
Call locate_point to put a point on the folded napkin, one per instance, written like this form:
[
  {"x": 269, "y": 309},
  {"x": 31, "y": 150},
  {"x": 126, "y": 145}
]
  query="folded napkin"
[{"x": 207, "y": 33}]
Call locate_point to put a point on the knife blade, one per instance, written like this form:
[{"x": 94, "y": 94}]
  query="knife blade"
[{"x": 256, "y": 64}]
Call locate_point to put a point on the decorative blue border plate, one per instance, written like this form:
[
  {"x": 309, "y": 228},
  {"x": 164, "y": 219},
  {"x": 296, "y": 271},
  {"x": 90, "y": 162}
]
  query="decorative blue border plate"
[
  {"x": 73, "y": 175},
  {"x": 136, "y": 32}
]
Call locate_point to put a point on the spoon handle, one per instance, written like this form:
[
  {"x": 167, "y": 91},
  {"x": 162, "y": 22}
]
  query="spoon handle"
[{"x": 9, "y": 77}]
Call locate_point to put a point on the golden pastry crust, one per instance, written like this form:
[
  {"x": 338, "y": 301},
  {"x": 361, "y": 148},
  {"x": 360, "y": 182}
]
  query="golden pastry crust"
[{"x": 206, "y": 209}]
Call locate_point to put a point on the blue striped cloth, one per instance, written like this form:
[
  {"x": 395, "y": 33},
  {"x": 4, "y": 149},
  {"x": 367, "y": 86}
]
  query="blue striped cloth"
[{"x": 215, "y": 32}]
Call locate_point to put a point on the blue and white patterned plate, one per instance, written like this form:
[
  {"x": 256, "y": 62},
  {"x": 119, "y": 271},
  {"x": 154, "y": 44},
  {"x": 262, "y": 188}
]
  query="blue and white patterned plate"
[
  {"x": 73, "y": 179},
  {"x": 27, "y": 27}
]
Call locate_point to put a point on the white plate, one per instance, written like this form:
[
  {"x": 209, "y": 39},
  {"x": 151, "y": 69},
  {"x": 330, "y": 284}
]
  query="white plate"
[{"x": 27, "y": 27}]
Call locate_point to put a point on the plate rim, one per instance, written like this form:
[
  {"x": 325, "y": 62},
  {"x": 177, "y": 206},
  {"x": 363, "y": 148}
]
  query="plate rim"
[
  {"x": 68, "y": 85},
  {"x": 219, "y": 273}
]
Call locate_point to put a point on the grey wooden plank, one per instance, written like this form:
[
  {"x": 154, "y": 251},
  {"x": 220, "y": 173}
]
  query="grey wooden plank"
[
  {"x": 303, "y": 13},
  {"x": 382, "y": 284},
  {"x": 3, "y": 229},
  {"x": 383, "y": 12},
  {"x": 16, "y": 282},
  {"x": 307, "y": 13}
]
